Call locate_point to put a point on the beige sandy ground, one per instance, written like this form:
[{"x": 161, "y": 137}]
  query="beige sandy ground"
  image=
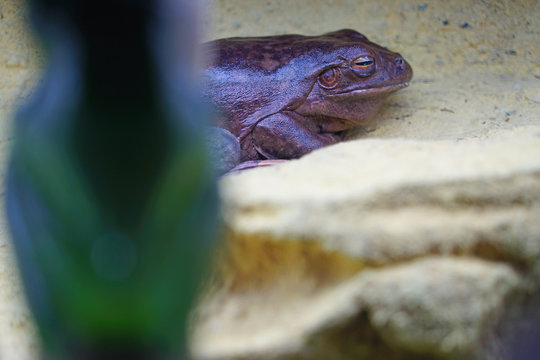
[
  {"x": 19, "y": 72},
  {"x": 476, "y": 64}
]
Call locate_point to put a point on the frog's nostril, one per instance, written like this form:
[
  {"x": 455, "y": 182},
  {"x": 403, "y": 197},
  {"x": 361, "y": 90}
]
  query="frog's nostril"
[{"x": 398, "y": 61}]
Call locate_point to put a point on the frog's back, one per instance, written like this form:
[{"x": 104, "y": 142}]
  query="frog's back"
[
  {"x": 269, "y": 53},
  {"x": 260, "y": 54},
  {"x": 242, "y": 78}
]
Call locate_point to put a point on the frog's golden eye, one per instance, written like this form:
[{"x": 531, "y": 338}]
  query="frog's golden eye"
[
  {"x": 329, "y": 78},
  {"x": 363, "y": 66}
]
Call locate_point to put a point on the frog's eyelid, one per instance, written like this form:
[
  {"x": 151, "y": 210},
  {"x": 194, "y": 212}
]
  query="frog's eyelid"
[
  {"x": 361, "y": 59},
  {"x": 364, "y": 58}
]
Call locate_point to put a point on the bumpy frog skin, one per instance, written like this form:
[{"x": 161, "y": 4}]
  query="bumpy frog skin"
[{"x": 284, "y": 96}]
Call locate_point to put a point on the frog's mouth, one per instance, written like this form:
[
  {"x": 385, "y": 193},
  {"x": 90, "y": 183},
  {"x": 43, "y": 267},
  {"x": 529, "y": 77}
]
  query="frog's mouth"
[{"x": 372, "y": 90}]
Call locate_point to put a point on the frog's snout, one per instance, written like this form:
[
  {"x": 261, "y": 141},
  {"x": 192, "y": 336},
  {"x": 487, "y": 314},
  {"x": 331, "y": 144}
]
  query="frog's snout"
[{"x": 402, "y": 69}]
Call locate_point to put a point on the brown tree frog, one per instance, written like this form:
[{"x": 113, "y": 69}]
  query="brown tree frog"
[{"x": 280, "y": 97}]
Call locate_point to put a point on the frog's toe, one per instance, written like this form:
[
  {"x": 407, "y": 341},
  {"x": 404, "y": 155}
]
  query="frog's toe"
[{"x": 256, "y": 163}]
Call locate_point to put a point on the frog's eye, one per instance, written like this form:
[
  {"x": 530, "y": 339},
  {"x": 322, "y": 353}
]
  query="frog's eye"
[
  {"x": 329, "y": 78},
  {"x": 363, "y": 66}
]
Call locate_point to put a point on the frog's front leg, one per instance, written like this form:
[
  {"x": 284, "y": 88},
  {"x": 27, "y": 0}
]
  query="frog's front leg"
[{"x": 288, "y": 135}]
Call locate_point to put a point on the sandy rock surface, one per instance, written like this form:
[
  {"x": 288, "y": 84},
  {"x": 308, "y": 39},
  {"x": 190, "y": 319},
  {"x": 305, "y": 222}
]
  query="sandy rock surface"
[
  {"x": 427, "y": 240},
  {"x": 426, "y": 244}
]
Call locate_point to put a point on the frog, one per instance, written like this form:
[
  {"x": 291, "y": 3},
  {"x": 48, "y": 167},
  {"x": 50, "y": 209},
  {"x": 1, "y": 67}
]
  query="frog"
[{"x": 281, "y": 97}]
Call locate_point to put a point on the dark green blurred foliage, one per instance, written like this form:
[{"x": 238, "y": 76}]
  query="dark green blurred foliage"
[{"x": 111, "y": 200}]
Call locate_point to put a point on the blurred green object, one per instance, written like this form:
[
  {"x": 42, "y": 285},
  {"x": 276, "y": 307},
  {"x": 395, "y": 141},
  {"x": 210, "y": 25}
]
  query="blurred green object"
[{"x": 111, "y": 198}]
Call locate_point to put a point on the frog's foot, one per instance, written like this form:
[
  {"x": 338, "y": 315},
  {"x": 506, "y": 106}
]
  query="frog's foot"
[{"x": 256, "y": 163}]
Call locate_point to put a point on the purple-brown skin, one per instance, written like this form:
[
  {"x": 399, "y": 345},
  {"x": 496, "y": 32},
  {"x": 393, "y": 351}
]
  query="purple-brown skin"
[{"x": 285, "y": 96}]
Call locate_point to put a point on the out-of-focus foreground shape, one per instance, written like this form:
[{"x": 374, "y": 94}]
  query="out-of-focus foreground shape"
[{"x": 111, "y": 199}]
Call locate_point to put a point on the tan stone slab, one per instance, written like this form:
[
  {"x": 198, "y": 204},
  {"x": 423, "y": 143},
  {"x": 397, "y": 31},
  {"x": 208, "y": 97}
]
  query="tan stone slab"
[
  {"x": 410, "y": 247},
  {"x": 383, "y": 200},
  {"x": 434, "y": 306}
]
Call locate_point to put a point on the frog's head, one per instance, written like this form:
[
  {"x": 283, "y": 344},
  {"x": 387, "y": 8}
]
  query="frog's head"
[{"x": 351, "y": 85}]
